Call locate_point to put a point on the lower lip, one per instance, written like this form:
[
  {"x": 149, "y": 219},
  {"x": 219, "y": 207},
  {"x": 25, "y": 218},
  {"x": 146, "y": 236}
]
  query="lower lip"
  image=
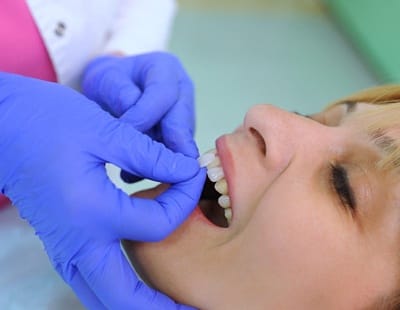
[{"x": 198, "y": 216}]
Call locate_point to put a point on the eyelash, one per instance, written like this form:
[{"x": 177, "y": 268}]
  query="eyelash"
[
  {"x": 340, "y": 182},
  {"x": 339, "y": 178},
  {"x": 301, "y": 114}
]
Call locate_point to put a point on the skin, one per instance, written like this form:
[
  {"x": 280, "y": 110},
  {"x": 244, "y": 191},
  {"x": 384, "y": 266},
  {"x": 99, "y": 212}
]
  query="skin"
[{"x": 293, "y": 243}]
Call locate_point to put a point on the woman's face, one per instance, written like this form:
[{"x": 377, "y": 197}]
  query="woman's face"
[{"x": 315, "y": 224}]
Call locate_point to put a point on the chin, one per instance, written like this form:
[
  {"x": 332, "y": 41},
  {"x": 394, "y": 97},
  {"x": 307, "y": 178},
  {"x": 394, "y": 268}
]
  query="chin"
[
  {"x": 161, "y": 266},
  {"x": 175, "y": 265}
]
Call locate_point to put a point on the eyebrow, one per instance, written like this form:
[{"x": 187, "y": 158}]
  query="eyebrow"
[
  {"x": 350, "y": 106},
  {"x": 383, "y": 141},
  {"x": 379, "y": 137}
]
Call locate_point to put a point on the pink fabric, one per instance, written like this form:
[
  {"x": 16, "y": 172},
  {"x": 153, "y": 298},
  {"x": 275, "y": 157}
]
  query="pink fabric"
[{"x": 22, "y": 49}]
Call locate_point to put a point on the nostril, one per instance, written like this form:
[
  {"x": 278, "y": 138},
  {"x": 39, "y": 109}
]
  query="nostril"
[{"x": 260, "y": 140}]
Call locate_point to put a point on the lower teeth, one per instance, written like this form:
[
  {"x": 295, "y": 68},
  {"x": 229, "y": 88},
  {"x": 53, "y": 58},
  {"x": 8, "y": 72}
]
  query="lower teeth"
[{"x": 209, "y": 206}]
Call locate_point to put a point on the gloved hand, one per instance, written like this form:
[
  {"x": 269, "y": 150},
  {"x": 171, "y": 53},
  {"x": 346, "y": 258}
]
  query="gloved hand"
[
  {"x": 152, "y": 92},
  {"x": 54, "y": 144}
]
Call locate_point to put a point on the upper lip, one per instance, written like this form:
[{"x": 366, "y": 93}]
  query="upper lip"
[
  {"x": 228, "y": 163},
  {"x": 225, "y": 162}
]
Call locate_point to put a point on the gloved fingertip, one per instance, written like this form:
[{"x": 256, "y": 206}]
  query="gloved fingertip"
[
  {"x": 186, "y": 167},
  {"x": 181, "y": 141},
  {"x": 129, "y": 178},
  {"x": 190, "y": 149}
]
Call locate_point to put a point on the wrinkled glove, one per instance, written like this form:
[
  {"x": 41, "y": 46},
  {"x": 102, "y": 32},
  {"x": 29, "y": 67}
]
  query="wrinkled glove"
[
  {"x": 54, "y": 144},
  {"x": 152, "y": 92}
]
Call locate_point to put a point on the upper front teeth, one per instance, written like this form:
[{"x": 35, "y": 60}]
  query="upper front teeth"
[
  {"x": 215, "y": 173},
  {"x": 207, "y": 158},
  {"x": 221, "y": 187}
]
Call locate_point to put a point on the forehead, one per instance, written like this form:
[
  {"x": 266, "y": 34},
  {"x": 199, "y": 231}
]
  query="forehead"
[
  {"x": 336, "y": 114},
  {"x": 380, "y": 122}
]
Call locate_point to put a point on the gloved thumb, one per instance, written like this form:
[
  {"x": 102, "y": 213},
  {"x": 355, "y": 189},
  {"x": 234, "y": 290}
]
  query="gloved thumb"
[{"x": 129, "y": 149}]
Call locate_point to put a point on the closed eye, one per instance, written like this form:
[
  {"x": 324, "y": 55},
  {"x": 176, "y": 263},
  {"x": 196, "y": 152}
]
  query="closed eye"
[
  {"x": 340, "y": 183},
  {"x": 301, "y": 114}
]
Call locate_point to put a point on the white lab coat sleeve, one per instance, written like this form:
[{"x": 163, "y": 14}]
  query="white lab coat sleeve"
[
  {"x": 74, "y": 31},
  {"x": 141, "y": 26}
]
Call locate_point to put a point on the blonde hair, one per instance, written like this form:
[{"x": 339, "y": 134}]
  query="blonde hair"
[
  {"x": 381, "y": 120},
  {"x": 376, "y": 122}
]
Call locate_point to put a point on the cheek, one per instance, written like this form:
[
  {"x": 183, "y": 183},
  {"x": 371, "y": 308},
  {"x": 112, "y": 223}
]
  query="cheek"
[{"x": 301, "y": 245}]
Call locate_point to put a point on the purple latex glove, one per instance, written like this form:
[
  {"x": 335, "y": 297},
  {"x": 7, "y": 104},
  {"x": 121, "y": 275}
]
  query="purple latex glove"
[
  {"x": 54, "y": 144},
  {"x": 152, "y": 92}
]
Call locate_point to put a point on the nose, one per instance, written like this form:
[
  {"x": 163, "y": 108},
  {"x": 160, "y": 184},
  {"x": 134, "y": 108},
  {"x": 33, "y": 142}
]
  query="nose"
[{"x": 284, "y": 133}]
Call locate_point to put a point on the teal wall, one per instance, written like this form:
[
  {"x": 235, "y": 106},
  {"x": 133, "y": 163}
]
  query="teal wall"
[
  {"x": 294, "y": 59},
  {"x": 373, "y": 26}
]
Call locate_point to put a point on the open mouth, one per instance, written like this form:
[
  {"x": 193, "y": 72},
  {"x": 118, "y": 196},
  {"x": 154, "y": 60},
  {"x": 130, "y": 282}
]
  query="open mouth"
[
  {"x": 209, "y": 205},
  {"x": 214, "y": 202}
]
